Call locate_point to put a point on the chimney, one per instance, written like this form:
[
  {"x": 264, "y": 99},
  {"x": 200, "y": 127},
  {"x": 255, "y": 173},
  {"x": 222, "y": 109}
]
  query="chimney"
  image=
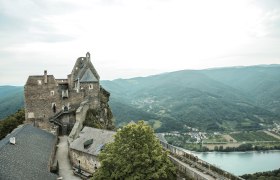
[
  {"x": 13, "y": 140},
  {"x": 88, "y": 56},
  {"x": 45, "y": 77}
]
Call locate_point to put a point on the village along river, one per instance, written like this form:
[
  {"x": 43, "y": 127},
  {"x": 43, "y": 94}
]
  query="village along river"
[{"x": 240, "y": 163}]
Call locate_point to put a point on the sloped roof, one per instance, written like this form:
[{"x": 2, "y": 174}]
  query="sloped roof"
[
  {"x": 83, "y": 65},
  {"x": 88, "y": 77},
  {"x": 100, "y": 138},
  {"x": 33, "y": 80},
  {"x": 29, "y": 158}
]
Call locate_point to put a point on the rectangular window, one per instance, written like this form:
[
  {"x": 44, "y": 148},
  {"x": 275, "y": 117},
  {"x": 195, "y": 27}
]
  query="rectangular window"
[
  {"x": 30, "y": 115},
  {"x": 52, "y": 93},
  {"x": 65, "y": 93},
  {"x": 90, "y": 86}
]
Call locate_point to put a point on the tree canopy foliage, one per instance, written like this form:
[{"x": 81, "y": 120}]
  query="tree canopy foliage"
[
  {"x": 11, "y": 122},
  {"x": 11, "y": 98},
  {"x": 135, "y": 154},
  {"x": 269, "y": 175}
]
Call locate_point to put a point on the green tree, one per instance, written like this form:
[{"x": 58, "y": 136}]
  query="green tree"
[
  {"x": 135, "y": 154},
  {"x": 11, "y": 122}
]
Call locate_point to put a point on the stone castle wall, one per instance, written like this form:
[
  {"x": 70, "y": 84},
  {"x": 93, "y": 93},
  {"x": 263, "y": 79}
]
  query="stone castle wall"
[
  {"x": 46, "y": 97},
  {"x": 39, "y": 98},
  {"x": 80, "y": 118},
  {"x": 87, "y": 161}
]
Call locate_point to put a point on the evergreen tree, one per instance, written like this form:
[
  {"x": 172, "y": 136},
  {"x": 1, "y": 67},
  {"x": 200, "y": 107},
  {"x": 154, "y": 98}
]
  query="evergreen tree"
[
  {"x": 135, "y": 154},
  {"x": 11, "y": 122}
]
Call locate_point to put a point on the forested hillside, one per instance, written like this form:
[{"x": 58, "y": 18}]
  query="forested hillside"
[
  {"x": 11, "y": 122},
  {"x": 237, "y": 98},
  {"x": 11, "y": 100},
  {"x": 269, "y": 175},
  {"x": 223, "y": 99}
]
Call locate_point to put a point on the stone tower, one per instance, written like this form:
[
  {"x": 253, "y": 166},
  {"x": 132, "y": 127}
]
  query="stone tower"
[{"x": 50, "y": 101}]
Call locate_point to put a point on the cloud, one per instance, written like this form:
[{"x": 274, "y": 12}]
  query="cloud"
[{"x": 127, "y": 37}]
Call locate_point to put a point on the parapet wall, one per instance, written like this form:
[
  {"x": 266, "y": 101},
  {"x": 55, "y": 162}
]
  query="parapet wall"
[
  {"x": 80, "y": 118},
  {"x": 191, "y": 160}
]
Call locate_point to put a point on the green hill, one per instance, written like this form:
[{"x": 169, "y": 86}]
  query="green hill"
[
  {"x": 261, "y": 83},
  {"x": 216, "y": 99},
  {"x": 11, "y": 100},
  {"x": 235, "y": 98}
]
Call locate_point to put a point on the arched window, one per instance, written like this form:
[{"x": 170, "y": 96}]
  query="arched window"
[{"x": 53, "y": 107}]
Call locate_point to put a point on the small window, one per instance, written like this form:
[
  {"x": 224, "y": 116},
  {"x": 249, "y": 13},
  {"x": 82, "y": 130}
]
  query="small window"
[
  {"x": 30, "y": 115},
  {"x": 90, "y": 86},
  {"x": 53, "y": 107},
  {"x": 65, "y": 93},
  {"x": 39, "y": 82},
  {"x": 52, "y": 93}
]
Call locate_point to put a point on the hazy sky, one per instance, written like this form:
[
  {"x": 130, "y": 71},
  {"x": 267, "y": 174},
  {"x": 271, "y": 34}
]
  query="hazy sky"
[{"x": 128, "y": 38}]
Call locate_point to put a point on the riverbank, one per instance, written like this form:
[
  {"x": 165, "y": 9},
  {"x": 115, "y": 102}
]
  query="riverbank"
[
  {"x": 231, "y": 147},
  {"x": 263, "y": 175},
  {"x": 231, "y": 142},
  {"x": 240, "y": 163}
]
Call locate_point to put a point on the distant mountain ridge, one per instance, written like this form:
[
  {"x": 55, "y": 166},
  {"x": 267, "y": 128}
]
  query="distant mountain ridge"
[
  {"x": 231, "y": 98},
  {"x": 11, "y": 99}
]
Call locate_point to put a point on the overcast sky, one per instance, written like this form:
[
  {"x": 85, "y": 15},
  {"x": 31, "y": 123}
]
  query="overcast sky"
[{"x": 128, "y": 38}]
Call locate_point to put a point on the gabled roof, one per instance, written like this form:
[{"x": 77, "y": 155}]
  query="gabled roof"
[
  {"x": 88, "y": 77},
  {"x": 29, "y": 158},
  {"x": 100, "y": 138}
]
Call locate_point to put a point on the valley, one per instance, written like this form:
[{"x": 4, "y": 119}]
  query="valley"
[{"x": 220, "y": 100}]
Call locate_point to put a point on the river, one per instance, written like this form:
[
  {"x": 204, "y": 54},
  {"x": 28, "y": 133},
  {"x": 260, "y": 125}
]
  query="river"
[{"x": 240, "y": 163}]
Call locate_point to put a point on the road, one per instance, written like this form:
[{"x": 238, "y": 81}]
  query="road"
[
  {"x": 65, "y": 169},
  {"x": 192, "y": 169}
]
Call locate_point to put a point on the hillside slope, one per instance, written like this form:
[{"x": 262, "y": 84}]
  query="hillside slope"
[
  {"x": 261, "y": 83},
  {"x": 236, "y": 98},
  {"x": 11, "y": 100},
  {"x": 217, "y": 99}
]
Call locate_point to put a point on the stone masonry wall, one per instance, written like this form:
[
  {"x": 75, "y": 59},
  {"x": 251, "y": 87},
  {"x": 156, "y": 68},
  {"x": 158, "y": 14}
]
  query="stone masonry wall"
[
  {"x": 80, "y": 118},
  {"x": 87, "y": 161},
  {"x": 39, "y": 98}
]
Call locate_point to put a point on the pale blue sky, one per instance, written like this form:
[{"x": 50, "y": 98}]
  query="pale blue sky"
[{"x": 129, "y": 38}]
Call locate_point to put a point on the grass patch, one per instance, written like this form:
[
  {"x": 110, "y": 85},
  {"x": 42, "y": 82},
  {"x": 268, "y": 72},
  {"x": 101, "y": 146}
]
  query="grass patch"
[
  {"x": 253, "y": 136},
  {"x": 157, "y": 124}
]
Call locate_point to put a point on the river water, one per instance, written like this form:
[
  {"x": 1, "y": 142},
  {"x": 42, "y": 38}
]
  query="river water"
[{"x": 240, "y": 163}]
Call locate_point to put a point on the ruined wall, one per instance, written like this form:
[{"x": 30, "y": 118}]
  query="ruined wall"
[
  {"x": 80, "y": 118},
  {"x": 90, "y": 89},
  {"x": 39, "y": 97},
  {"x": 87, "y": 161},
  {"x": 106, "y": 114},
  {"x": 76, "y": 98},
  {"x": 43, "y": 93}
]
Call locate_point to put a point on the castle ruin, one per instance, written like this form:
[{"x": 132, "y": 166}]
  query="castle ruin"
[{"x": 50, "y": 101}]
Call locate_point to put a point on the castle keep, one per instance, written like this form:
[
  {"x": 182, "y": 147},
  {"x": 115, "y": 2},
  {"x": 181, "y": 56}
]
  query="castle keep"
[{"x": 50, "y": 101}]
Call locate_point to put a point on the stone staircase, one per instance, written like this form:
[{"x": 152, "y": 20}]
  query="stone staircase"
[{"x": 56, "y": 119}]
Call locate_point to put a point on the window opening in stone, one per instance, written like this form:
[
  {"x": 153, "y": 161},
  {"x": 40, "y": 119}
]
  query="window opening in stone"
[{"x": 54, "y": 107}]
